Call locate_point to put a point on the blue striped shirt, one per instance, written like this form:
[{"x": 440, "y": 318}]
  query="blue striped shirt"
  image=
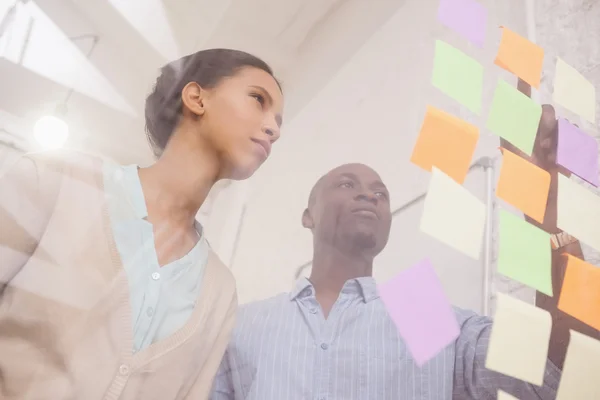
[{"x": 284, "y": 348}]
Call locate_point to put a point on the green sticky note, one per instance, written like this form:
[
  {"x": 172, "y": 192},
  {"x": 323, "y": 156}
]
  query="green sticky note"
[
  {"x": 525, "y": 253},
  {"x": 458, "y": 75},
  {"x": 514, "y": 117}
]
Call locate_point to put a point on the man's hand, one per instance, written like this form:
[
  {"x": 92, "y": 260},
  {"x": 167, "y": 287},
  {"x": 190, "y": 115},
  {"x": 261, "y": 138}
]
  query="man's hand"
[{"x": 544, "y": 156}]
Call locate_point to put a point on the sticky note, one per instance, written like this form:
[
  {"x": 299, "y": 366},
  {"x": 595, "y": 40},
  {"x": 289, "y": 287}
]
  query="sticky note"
[
  {"x": 453, "y": 215},
  {"x": 416, "y": 302},
  {"x": 518, "y": 345},
  {"x": 445, "y": 142},
  {"x": 514, "y": 117},
  {"x": 525, "y": 254},
  {"x": 578, "y": 212},
  {"x": 573, "y": 91},
  {"x": 579, "y": 379},
  {"x": 577, "y": 152},
  {"x": 580, "y": 293},
  {"x": 505, "y": 396},
  {"x": 520, "y": 57},
  {"x": 458, "y": 76},
  {"x": 468, "y": 18},
  {"x": 523, "y": 185}
]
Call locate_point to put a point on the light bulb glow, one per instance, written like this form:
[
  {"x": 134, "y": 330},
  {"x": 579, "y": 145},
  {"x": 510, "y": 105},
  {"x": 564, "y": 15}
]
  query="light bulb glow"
[{"x": 51, "y": 132}]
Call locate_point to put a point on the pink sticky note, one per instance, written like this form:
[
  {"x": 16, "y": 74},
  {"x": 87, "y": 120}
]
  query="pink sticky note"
[
  {"x": 577, "y": 152},
  {"x": 416, "y": 302},
  {"x": 466, "y": 17}
]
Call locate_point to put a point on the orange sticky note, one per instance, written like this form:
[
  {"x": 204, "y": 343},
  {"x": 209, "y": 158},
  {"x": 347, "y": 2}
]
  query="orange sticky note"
[
  {"x": 445, "y": 142},
  {"x": 523, "y": 185},
  {"x": 520, "y": 57},
  {"x": 580, "y": 293}
]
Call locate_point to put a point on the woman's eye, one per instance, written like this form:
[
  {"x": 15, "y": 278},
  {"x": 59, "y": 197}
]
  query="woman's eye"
[{"x": 259, "y": 98}]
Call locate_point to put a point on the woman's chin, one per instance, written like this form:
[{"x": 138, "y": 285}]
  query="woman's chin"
[{"x": 244, "y": 170}]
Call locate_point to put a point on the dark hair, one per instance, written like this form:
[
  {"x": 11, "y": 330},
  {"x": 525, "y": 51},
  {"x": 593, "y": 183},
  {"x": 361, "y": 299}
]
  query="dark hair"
[{"x": 207, "y": 68}]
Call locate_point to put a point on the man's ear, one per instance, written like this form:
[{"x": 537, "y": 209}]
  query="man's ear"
[{"x": 307, "y": 220}]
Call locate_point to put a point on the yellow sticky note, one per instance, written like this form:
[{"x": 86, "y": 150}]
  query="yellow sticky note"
[
  {"x": 519, "y": 340},
  {"x": 574, "y": 92},
  {"x": 453, "y": 215},
  {"x": 578, "y": 212},
  {"x": 445, "y": 142},
  {"x": 581, "y": 370},
  {"x": 520, "y": 57},
  {"x": 523, "y": 185},
  {"x": 580, "y": 292},
  {"x": 505, "y": 396}
]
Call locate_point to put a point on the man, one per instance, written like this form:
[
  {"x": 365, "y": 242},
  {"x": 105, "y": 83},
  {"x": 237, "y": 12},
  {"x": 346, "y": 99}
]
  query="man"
[{"x": 331, "y": 337}]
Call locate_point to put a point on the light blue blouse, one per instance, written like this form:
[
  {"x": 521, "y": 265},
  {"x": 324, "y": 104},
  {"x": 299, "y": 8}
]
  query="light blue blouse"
[{"x": 162, "y": 298}]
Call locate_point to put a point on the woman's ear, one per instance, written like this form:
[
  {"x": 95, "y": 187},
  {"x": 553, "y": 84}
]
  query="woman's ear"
[
  {"x": 193, "y": 98},
  {"x": 307, "y": 220}
]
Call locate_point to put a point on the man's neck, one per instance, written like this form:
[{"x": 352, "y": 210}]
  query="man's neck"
[{"x": 332, "y": 267}]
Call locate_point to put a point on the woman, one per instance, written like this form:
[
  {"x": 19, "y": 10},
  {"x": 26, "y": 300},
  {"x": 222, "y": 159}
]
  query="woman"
[{"x": 108, "y": 288}]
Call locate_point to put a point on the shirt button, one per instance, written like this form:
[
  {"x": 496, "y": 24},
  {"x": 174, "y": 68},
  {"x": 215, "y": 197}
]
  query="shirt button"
[
  {"x": 124, "y": 369},
  {"x": 156, "y": 276},
  {"x": 324, "y": 346},
  {"x": 313, "y": 310},
  {"x": 150, "y": 311}
]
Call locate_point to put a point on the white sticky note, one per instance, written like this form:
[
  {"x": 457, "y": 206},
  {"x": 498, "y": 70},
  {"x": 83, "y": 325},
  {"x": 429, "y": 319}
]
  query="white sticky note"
[
  {"x": 581, "y": 369},
  {"x": 573, "y": 91},
  {"x": 453, "y": 215},
  {"x": 505, "y": 396},
  {"x": 519, "y": 340},
  {"x": 578, "y": 211}
]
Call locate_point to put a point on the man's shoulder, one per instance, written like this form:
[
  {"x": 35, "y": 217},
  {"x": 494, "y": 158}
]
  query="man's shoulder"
[
  {"x": 258, "y": 311},
  {"x": 468, "y": 319},
  {"x": 270, "y": 303}
]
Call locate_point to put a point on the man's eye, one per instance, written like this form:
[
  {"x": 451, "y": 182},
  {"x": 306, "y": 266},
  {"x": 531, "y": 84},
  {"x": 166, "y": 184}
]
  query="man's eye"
[
  {"x": 382, "y": 195},
  {"x": 346, "y": 185}
]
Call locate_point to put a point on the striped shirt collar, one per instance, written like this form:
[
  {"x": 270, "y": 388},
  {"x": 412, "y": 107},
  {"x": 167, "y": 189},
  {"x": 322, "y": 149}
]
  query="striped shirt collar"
[{"x": 364, "y": 286}]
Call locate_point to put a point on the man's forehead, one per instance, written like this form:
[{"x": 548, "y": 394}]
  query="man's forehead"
[
  {"x": 356, "y": 170},
  {"x": 351, "y": 170}
]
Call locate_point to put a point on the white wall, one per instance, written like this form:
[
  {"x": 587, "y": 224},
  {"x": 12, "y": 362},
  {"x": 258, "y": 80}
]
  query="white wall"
[{"x": 369, "y": 112}]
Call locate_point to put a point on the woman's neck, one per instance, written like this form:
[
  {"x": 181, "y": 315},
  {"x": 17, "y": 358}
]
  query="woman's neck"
[{"x": 176, "y": 186}]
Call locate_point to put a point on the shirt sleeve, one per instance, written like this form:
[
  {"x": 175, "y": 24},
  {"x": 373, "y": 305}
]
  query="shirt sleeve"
[
  {"x": 473, "y": 381},
  {"x": 223, "y": 385},
  {"x": 25, "y": 206}
]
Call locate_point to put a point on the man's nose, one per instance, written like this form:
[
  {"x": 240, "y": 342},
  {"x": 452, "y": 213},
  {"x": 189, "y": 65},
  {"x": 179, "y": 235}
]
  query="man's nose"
[{"x": 367, "y": 196}]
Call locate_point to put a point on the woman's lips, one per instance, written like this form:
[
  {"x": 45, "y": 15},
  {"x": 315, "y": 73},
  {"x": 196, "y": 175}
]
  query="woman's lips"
[{"x": 264, "y": 145}]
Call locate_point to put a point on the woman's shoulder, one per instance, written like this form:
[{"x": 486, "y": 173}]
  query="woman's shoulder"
[
  {"x": 65, "y": 159},
  {"x": 79, "y": 165},
  {"x": 220, "y": 272}
]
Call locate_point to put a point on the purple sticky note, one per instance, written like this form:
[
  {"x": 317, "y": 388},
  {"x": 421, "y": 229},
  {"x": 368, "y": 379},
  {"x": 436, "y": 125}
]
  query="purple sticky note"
[
  {"x": 416, "y": 302},
  {"x": 467, "y": 17},
  {"x": 577, "y": 152}
]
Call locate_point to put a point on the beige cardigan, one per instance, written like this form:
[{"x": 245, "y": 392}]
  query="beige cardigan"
[{"x": 65, "y": 318}]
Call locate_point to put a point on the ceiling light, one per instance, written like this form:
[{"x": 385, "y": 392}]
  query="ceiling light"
[{"x": 51, "y": 132}]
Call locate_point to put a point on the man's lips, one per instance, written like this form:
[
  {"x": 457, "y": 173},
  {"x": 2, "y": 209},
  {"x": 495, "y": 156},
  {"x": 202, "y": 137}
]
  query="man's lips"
[
  {"x": 265, "y": 144},
  {"x": 368, "y": 212}
]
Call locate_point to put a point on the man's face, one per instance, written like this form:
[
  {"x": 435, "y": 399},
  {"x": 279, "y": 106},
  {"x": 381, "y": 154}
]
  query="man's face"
[{"x": 350, "y": 209}]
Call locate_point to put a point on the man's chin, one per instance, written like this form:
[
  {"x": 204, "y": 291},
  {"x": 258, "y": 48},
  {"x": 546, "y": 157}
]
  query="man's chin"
[{"x": 363, "y": 240}]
